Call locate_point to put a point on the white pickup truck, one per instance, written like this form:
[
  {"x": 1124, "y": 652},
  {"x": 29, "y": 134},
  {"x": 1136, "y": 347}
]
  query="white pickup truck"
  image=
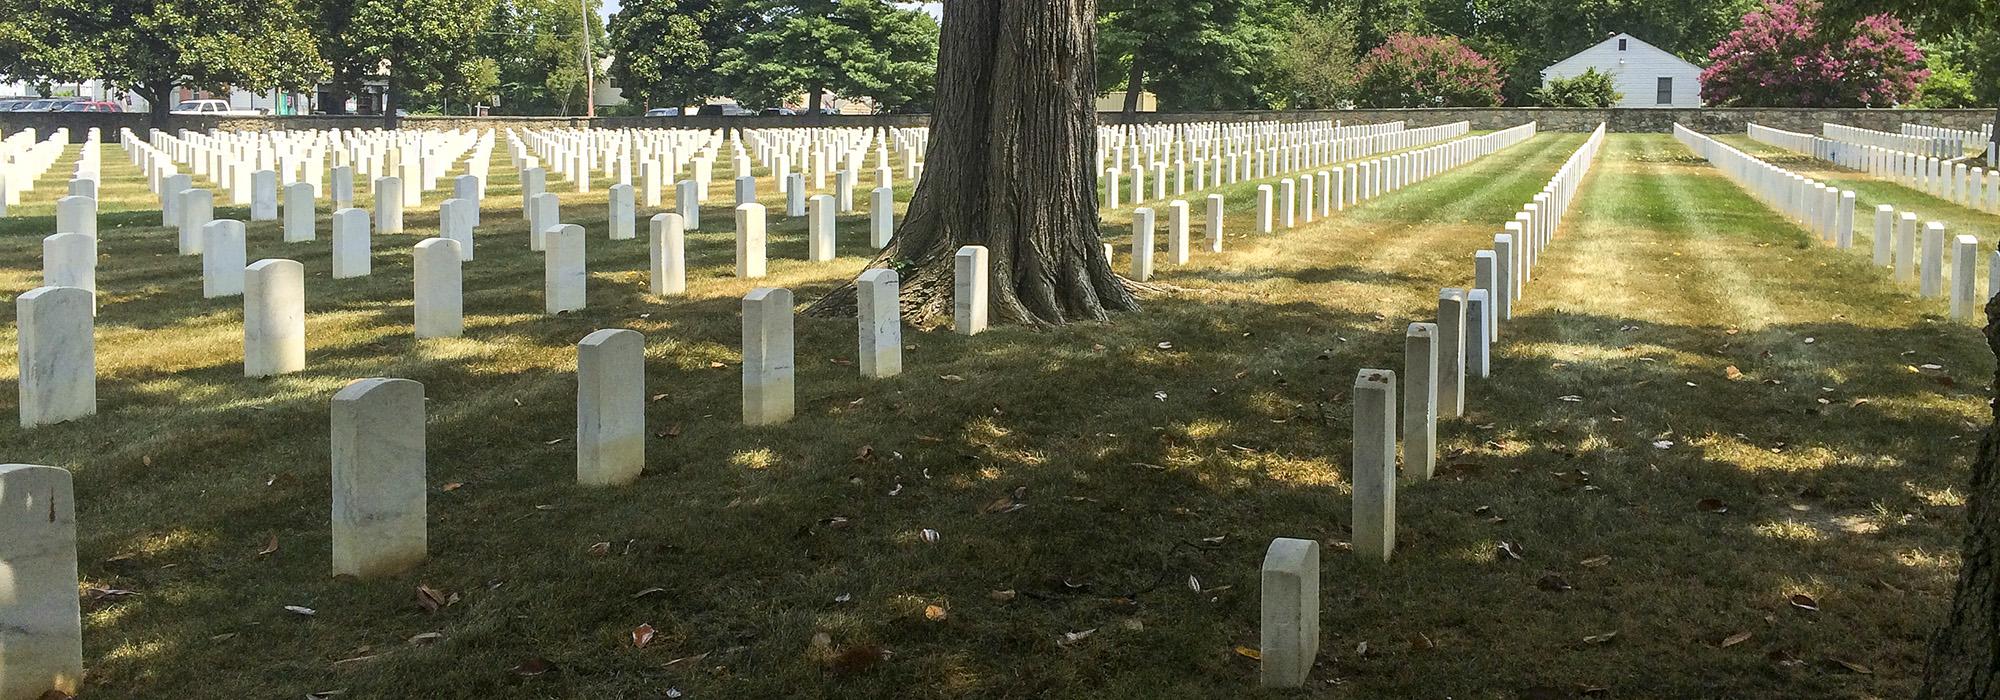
[{"x": 217, "y": 108}]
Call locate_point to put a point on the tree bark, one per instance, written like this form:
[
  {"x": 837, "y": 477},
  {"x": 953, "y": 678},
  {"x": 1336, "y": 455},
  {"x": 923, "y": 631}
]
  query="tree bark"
[
  {"x": 158, "y": 101},
  {"x": 1964, "y": 661},
  {"x": 1135, "y": 84},
  {"x": 389, "y": 103},
  {"x": 813, "y": 100},
  {"x": 1010, "y": 167}
]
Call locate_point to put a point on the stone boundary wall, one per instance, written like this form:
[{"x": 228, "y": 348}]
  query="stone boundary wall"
[{"x": 1706, "y": 120}]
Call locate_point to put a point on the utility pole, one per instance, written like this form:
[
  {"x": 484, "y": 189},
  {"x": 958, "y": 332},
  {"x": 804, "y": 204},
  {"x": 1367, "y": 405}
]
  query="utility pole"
[{"x": 589, "y": 66}]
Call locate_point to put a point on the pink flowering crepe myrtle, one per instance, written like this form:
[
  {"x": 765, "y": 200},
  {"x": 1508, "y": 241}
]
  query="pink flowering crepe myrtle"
[
  {"x": 1782, "y": 57},
  {"x": 1410, "y": 70}
]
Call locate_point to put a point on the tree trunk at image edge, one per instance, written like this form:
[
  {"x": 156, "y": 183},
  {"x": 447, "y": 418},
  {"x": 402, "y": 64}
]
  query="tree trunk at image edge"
[
  {"x": 1964, "y": 661},
  {"x": 1010, "y": 166}
]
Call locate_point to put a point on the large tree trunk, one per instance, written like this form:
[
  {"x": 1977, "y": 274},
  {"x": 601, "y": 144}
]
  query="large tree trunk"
[
  {"x": 336, "y": 95},
  {"x": 1135, "y": 84},
  {"x": 159, "y": 101},
  {"x": 389, "y": 103},
  {"x": 1964, "y": 659},
  {"x": 1010, "y": 167},
  {"x": 813, "y": 100}
]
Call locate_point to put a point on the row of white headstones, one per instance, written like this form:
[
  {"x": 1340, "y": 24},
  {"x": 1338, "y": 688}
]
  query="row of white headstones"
[
  {"x": 1962, "y": 137},
  {"x": 1439, "y": 358},
  {"x": 250, "y": 166},
  {"x": 24, "y": 159},
  {"x": 378, "y": 454},
  {"x": 273, "y": 290},
  {"x": 1229, "y": 160},
  {"x": 1829, "y": 212},
  {"x": 1955, "y": 179},
  {"x": 1932, "y": 145}
]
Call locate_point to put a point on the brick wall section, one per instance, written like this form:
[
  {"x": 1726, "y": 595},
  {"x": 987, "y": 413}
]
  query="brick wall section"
[{"x": 1707, "y": 120}]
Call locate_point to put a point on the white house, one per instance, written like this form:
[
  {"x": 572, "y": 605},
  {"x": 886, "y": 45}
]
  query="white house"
[{"x": 1646, "y": 75}]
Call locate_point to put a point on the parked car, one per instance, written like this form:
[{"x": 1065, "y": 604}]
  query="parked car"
[
  {"x": 14, "y": 105},
  {"x": 41, "y": 106},
  {"x": 214, "y": 108},
  {"x": 722, "y": 110},
  {"x": 93, "y": 106},
  {"x": 664, "y": 112},
  {"x": 778, "y": 112}
]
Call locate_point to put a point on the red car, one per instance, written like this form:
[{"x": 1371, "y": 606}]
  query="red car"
[{"x": 93, "y": 107}]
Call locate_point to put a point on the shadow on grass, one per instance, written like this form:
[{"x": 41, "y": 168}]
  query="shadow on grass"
[{"x": 1155, "y": 457}]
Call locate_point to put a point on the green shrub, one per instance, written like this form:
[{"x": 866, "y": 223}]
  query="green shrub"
[{"x": 1588, "y": 89}]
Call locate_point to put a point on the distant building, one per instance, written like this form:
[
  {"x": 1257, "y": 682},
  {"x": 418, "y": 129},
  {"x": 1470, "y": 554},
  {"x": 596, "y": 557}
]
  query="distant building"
[
  {"x": 1646, "y": 75},
  {"x": 1115, "y": 102}
]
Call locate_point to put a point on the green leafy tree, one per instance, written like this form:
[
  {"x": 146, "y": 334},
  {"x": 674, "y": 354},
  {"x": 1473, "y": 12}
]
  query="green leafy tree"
[
  {"x": 153, "y": 47},
  {"x": 857, "y": 48},
  {"x": 668, "y": 52},
  {"x": 37, "y": 41},
  {"x": 1587, "y": 89},
  {"x": 1315, "y": 63},
  {"x": 532, "y": 41},
  {"x": 1192, "y": 54},
  {"x": 418, "y": 43}
]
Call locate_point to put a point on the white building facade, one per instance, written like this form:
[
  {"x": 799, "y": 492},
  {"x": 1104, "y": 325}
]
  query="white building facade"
[{"x": 1646, "y": 75}]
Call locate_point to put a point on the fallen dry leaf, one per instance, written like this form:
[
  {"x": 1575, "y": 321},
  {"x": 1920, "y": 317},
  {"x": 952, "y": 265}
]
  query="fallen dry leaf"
[
  {"x": 1732, "y": 373},
  {"x": 642, "y": 635},
  {"x": 1735, "y": 639},
  {"x": 1002, "y": 596},
  {"x": 270, "y": 546},
  {"x": 1069, "y": 638},
  {"x": 1711, "y": 505},
  {"x": 1804, "y": 602},
  {"x": 533, "y": 666},
  {"x": 1596, "y": 561},
  {"x": 1249, "y": 653},
  {"x": 600, "y": 549},
  {"x": 935, "y": 613},
  {"x": 426, "y": 638},
  {"x": 1600, "y": 638},
  {"x": 431, "y": 599}
]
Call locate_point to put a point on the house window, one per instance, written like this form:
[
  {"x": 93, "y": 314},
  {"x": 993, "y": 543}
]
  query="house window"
[
  {"x": 1666, "y": 92},
  {"x": 1621, "y": 44}
]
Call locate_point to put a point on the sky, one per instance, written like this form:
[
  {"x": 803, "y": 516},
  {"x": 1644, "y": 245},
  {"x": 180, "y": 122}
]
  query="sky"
[{"x": 936, "y": 9}]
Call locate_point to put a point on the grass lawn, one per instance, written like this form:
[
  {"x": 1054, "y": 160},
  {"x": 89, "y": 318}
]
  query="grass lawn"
[{"x": 1153, "y": 456}]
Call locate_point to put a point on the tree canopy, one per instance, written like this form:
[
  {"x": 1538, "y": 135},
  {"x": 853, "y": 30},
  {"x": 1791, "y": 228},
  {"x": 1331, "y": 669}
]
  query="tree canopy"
[
  {"x": 857, "y": 48},
  {"x": 1785, "y": 55},
  {"x": 420, "y": 43},
  {"x": 153, "y": 46},
  {"x": 668, "y": 52}
]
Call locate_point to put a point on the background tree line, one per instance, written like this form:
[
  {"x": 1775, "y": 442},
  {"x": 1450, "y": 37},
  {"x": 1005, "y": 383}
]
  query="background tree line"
[
  {"x": 529, "y": 56},
  {"x": 521, "y": 56},
  {"x": 1302, "y": 54}
]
